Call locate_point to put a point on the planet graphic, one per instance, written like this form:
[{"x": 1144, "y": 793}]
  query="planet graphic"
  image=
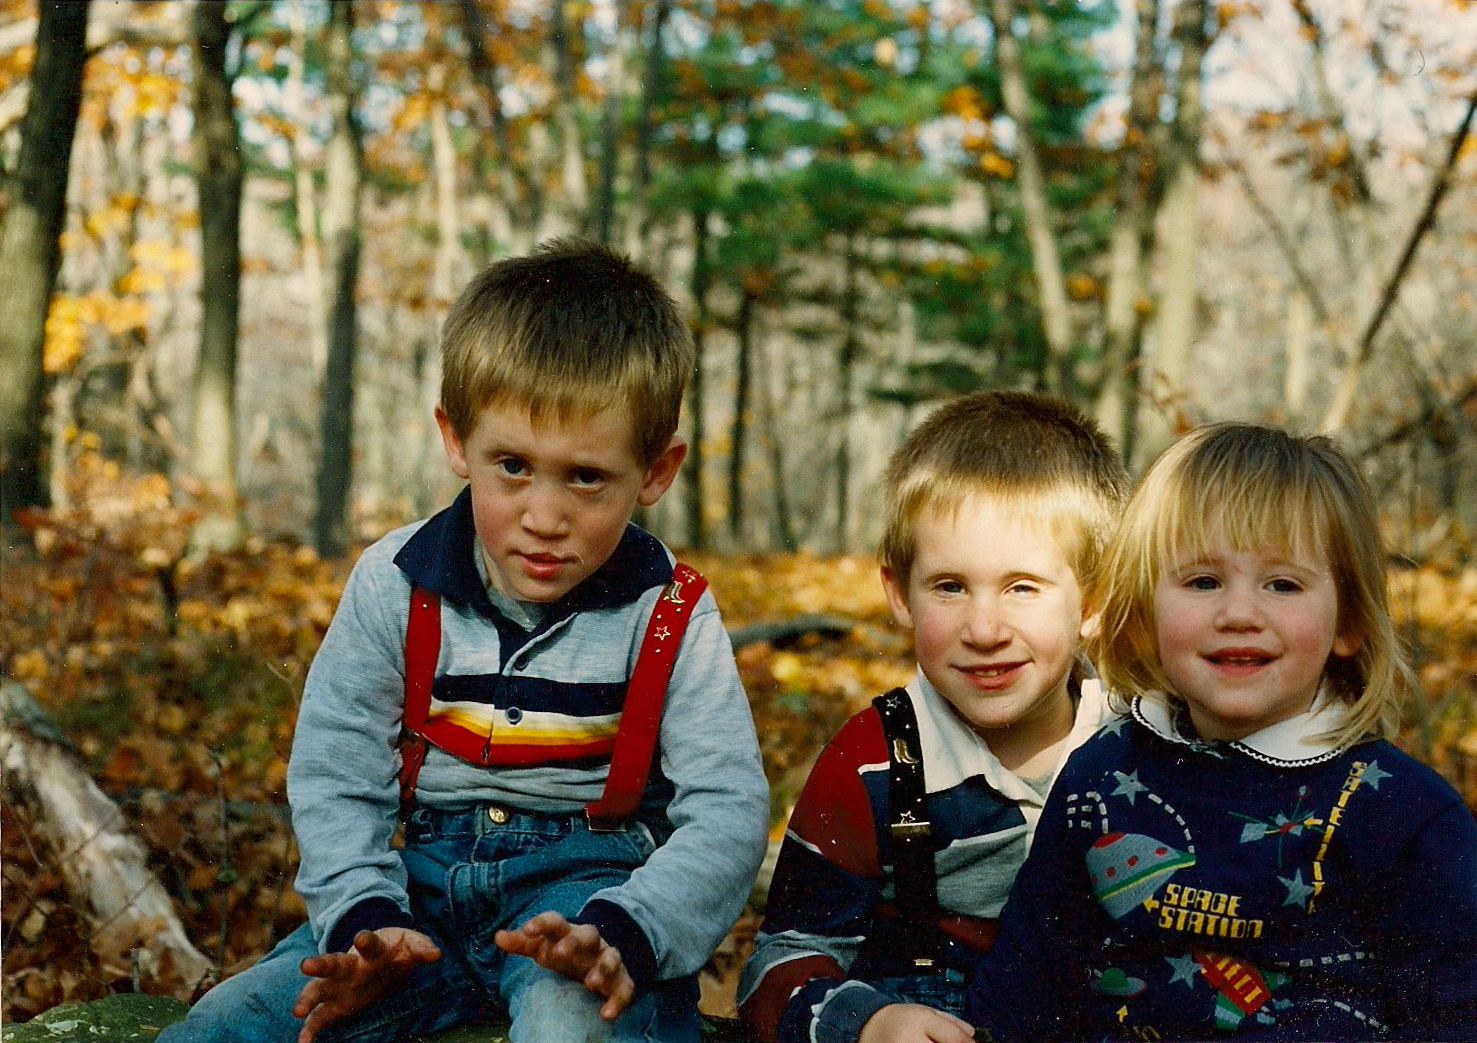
[
  {"x": 1126, "y": 868},
  {"x": 1113, "y": 981}
]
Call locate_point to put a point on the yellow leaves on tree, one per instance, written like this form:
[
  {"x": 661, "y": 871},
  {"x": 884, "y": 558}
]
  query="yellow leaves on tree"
[
  {"x": 72, "y": 320},
  {"x": 993, "y": 164}
]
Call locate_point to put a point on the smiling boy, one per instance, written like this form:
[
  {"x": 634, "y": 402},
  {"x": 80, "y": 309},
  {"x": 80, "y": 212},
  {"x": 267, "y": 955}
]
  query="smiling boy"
[
  {"x": 918, "y": 814},
  {"x": 522, "y": 888}
]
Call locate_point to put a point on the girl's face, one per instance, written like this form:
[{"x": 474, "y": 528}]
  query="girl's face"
[{"x": 1244, "y": 636}]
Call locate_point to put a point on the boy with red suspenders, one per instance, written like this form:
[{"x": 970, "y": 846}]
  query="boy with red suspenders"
[
  {"x": 918, "y": 813},
  {"x": 580, "y": 786}
]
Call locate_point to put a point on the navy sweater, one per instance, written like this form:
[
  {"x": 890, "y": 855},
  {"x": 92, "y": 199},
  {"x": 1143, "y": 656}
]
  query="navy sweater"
[{"x": 1267, "y": 889}]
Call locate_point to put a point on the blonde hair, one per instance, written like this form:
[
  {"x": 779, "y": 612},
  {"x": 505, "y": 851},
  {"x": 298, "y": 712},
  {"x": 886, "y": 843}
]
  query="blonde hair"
[
  {"x": 568, "y": 330},
  {"x": 1035, "y": 454},
  {"x": 1255, "y": 487}
]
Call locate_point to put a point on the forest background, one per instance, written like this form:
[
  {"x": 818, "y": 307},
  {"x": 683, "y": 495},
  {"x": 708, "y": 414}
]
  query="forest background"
[{"x": 231, "y": 230}]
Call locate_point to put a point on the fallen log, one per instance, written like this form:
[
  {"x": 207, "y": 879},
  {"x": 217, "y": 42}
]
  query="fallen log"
[
  {"x": 785, "y": 633},
  {"x": 82, "y": 836},
  {"x": 135, "y": 1018}
]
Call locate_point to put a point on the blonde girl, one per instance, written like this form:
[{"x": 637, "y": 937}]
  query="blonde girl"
[{"x": 1244, "y": 851}]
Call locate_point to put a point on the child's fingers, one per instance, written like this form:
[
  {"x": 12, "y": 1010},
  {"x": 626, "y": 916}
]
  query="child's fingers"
[
  {"x": 622, "y": 989},
  {"x": 547, "y": 924},
  {"x": 370, "y": 946},
  {"x": 329, "y": 965}
]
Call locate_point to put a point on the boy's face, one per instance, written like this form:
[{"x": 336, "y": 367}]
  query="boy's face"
[
  {"x": 551, "y": 502},
  {"x": 996, "y": 615},
  {"x": 1245, "y": 637}
]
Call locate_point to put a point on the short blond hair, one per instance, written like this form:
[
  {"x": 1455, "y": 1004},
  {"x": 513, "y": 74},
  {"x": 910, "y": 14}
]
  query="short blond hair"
[
  {"x": 1034, "y": 453},
  {"x": 1255, "y": 487},
  {"x": 568, "y": 330}
]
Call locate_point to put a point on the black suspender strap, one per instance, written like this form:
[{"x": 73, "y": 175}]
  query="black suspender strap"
[{"x": 913, "y": 873}]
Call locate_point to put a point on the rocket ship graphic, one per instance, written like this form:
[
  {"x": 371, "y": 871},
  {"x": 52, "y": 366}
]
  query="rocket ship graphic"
[{"x": 1243, "y": 988}]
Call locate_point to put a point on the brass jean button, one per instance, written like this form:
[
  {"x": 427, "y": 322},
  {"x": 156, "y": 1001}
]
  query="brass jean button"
[{"x": 497, "y": 814}]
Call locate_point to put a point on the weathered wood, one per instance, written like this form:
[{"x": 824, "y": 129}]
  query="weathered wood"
[
  {"x": 82, "y": 835},
  {"x": 788, "y": 632}
]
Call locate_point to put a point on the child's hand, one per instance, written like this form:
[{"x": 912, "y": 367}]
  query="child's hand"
[
  {"x": 915, "y": 1023},
  {"x": 577, "y": 952},
  {"x": 344, "y": 982}
]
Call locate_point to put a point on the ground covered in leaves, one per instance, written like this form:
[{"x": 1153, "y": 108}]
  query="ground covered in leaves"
[{"x": 178, "y": 681}]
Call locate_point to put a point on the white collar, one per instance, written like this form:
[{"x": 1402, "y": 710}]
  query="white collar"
[
  {"x": 1296, "y": 742},
  {"x": 953, "y": 751}
]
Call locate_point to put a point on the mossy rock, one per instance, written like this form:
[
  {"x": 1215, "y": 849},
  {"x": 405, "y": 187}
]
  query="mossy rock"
[
  {"x": 136, "y": 1018},
  {"x": 124, "y": 1018}
]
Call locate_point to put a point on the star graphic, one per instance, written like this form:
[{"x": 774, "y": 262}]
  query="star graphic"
[
  {"x": 1129, "y": 786},
  {"x": 1298, "y": 892},
  {"x": 1372, "y": 775},
  {"x": 1185, "y": 969},
  {"x": 1113, "y": 725},
  {"x": 663, "y": 633}
]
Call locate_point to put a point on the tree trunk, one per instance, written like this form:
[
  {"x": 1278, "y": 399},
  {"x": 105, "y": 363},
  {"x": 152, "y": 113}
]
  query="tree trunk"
[
  {"x": 341, "y": 227},
  {"x": 1125, "y": 258},
  {"x": 1040, "y": 223},
  {"x": 610, "y": 128},
  {"x": 850, "y": 350},
  {"x": 30, "y": 251},
  {"x": 1175, "y": 329},
  {"x": 744, "y": 327},
  {"x": 652, "y": 89},
  {"x": 700, "y": 285},
  {"x": 781, "y": 523},
  {"x": 218, "y": 174},
  {"x": 83, "y": 839},
  {"x": 443, "y": 166},
  {"x": 575, "y": 200},
  {"x": 305, "y": 199},
  {"x": 514, "y": 206}
]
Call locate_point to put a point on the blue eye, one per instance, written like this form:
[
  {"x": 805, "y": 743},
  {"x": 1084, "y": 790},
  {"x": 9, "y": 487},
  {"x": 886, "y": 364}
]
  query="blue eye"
[
  {"x": 587, "y": 476},
  {"x": 512, "y": 466},
  {"x": 1203, "y": 583},
  {"x": 1284, "y": 586}
]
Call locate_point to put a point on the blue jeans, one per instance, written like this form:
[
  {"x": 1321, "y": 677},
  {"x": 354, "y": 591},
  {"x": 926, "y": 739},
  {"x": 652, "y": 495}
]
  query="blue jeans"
[
  {"x": 469, "y": 876},
  {"x": 944, "y": 991}
]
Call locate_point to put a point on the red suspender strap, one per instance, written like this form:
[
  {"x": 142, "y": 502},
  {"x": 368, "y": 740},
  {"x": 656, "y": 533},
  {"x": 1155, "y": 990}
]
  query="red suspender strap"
[
  {"x": 641, "y": 718},
  {"x": 422, "y": 649}
]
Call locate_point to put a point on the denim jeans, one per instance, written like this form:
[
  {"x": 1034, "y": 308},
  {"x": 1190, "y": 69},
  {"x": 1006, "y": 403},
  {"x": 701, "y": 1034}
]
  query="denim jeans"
[
  {"x": 469, "y": 876},
  {"x": 944, "y": 991}
]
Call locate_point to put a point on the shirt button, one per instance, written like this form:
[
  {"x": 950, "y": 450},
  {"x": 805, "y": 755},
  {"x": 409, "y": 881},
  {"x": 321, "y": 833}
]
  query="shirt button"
[
  {"x": 521, "y": 663},
  {"x": 514, "y": 715},
  {"x": 497, "y": 814}
]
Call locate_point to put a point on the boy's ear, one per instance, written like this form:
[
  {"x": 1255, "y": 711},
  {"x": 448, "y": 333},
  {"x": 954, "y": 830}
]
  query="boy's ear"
[
  {"x": 453, "y": 444},
  {"x": 662, "y": 472},
  {"x": 897, "y": 598}
]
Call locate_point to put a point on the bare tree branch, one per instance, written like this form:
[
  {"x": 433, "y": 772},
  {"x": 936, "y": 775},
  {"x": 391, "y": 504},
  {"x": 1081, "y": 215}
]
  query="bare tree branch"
[
  {"x": 1407, "y": 428},
  {"x": 1283, "y": 239},
  {"x": 1343, "y": 400}
]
